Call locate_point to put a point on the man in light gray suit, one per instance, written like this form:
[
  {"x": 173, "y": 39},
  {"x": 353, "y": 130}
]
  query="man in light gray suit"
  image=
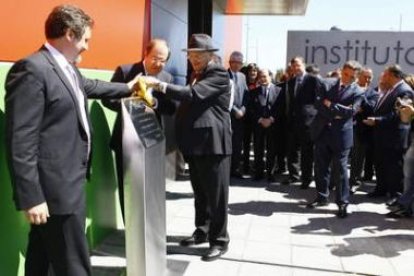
[{"x": 238, "y": 109}]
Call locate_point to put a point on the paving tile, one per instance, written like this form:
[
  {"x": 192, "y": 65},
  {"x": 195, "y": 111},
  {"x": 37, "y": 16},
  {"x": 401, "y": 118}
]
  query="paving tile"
[
  {"x": 249, "y": 269},
  {"x": 315, "y": 257},
  {"x": 273, "y": 253},
  {"x": 368, "y": 264},
  {"x": 218, "y": 267},
  {"x": 272, "y": 233},
  {"x": 269, "y": 233}
]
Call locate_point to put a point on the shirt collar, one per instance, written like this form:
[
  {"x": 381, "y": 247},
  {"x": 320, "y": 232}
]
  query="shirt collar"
[
  {"x": 395, "y": 85},
  {"x": 58, "y": 56}
]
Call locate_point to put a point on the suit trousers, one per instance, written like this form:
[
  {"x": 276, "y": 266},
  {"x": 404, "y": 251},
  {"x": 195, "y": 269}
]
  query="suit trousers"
[
  {"x": 306, "y": 155},
  {"x": 210, "y": 179},
  {"x": 389, "y": 170},
  {"x": 119, "y": 162},
  {"x": 264, "y": 138},
  {"x": 60, "y": 244},
  {"x": 407, "y": 198},
  {"x": 237, "y": 126},
  {"x": 247, "y": 141},
  {"x": 357, "y": 160},
  {"x": 293, "y": 152},
  {"x": 324, "y": 155}
]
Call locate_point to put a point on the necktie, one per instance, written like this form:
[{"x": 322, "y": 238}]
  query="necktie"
[
  {"x": 297, "y": 85},
  {"x": 81, "y": 102},
  {"x": 341, "y": 90}
]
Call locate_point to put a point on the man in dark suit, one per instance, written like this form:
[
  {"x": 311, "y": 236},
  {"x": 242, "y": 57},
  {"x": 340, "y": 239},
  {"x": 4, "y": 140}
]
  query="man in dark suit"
[
  {"x": 391, "y": 136},
  {"x": 267, "y": 118},
  {"x": 204, "y": 137},
  {"x": 156, "y": 57},
  {"x": 238, "y": 110},
  {"x": 333, "y": 134},
  {"x": 363, "y": 134},
  {"x": 48, "y": 136},
  {"x": 300, "y": 112}
]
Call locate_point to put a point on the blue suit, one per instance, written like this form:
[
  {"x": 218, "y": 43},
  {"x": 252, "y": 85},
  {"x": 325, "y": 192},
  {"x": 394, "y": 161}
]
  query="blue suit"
[
  {"x": 332, "y": 131},
  {"x": 391, "y": 140}
]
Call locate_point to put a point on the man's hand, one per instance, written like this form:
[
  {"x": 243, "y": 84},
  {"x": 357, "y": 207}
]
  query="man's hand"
[
  {"x": 133, "y": 85},
  {"x": 406, "y": 113},
  {"x": 266, "y": 122},
  {"x": 37, "y": 214},
  {"x": 238, "y": 114},
  {"x": 327, "y": 103},
  {"x": 370, "y": 121},
  {"x": 151, "y": 81}
]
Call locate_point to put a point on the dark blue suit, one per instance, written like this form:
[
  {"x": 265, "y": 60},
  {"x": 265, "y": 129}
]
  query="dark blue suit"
[
  {"x": 391, "y": 141},
  {"x": 332, "y": 131},
  {"x": 266, "y": 106},
  {"x": 362, "y": 151}
]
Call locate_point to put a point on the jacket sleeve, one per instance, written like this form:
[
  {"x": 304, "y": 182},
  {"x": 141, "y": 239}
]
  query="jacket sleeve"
[
  {"x": 115, "y": 104},
  {"x": 211, "y": 85},
  {"x": 24, "y": 108}
]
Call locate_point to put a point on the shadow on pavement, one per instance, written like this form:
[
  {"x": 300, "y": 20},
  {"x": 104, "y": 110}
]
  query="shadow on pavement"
[{"x": 383, "y": 246}]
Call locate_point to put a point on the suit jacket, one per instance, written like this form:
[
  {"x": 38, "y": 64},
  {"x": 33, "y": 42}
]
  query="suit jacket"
[
  {"x": 303, "y": 109},
  {"x": 388, "y": 129},
  {"x": 126, "y": 73},
  {"x": 203, "y": 117},
  {"x": 46, "y": 141},
  {"x": 240, "y": 92},
  {"x": 363, "y": 131},
  {"x": 267, "y": 106},
  {"x": 338, "y": 118}
]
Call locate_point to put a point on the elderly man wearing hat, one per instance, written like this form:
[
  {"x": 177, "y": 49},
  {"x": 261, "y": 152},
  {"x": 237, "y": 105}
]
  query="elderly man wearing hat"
[{"x": 204, "y": 137}]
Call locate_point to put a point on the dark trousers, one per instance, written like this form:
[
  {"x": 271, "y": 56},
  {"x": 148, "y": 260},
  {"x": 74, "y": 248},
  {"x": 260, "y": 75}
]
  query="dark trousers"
[
  {"x": 60, "y": 244},
  {"x": 389, "y": 170},
  {"x": 357, "y": 160},
  {"x": 324, "y": 155},
  {"x": 210, "y": 179},
  {"x": 247, "y": 141},
  {"x": 264, "y": 138},
  {"x": 237, "y": 126},
  {"x": 293, "y": 152},
  {"x": 119, "y": 160},
  {"x": 306, "y": 155},
  {"x": 369, "y": 160}
]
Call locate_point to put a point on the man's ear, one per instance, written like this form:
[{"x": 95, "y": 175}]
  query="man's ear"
[{"x": 69, "y": 34}]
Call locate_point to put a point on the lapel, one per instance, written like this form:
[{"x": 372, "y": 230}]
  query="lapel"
[
  {"x": 262, "y": 98},
  {"x": 389, "y": 100},
  {"x": 347, "y": 91},
  {"x": 61, "y": 75}
]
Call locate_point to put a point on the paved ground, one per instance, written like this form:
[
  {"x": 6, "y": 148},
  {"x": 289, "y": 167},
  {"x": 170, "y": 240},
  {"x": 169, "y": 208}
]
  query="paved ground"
[{"x": 272, "y": 233}]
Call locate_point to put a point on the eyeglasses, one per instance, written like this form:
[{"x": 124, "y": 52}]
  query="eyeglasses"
[{"x": 158, "y": 60}]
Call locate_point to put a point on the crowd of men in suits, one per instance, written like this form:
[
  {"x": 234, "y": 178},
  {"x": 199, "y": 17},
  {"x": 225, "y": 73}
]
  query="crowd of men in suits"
[{"x": 306, "y": 128}]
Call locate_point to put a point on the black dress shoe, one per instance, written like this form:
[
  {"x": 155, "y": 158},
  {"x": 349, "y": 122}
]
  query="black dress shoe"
[
  {"x": 194, "y": 239},
  {"x": 392, "y": 201},
  {"x": 317, "y": 203},
  {"x": 342, "y": 212},
  {"x": 290, "y": 180},
  {"x": 213, "y": 253},
  {"x": 401, "y": 212}
]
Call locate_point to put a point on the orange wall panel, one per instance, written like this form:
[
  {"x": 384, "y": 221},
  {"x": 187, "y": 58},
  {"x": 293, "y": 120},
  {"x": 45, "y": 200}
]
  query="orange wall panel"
[
  {"x": 232, "y": 36},
  {"x": 119, "y": 32}
]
